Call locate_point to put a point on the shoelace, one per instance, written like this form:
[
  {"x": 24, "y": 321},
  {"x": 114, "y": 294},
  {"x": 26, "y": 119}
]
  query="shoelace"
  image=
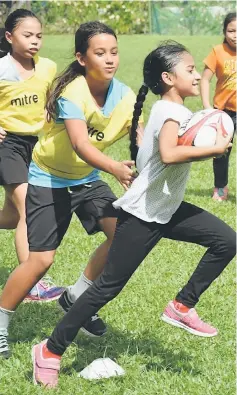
[
  {"x": 46, "y": 282},
  {"x": 3, "y": 341},
  {"x": 94, "y": 317}
]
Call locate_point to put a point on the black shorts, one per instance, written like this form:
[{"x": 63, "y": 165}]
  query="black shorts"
[
  {"x": 49, "y": 211},
  {"x": 15, "y": 158}
]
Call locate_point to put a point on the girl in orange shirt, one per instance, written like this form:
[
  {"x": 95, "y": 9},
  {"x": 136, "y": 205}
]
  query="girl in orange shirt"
[{"x": 222, "y": 62}]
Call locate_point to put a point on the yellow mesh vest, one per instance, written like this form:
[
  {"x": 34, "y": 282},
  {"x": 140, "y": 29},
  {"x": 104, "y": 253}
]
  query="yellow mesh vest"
[
  {"x": 54, "y": 154},
  {"x": 22, "y": 103}
]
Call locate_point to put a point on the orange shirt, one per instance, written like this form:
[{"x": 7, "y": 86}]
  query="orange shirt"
[{"x": 222, "y": 62}]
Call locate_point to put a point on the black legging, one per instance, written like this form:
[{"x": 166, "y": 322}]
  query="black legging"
[
  {"x": 133, "y": 241},
  {"x": 221, "y": 165}
]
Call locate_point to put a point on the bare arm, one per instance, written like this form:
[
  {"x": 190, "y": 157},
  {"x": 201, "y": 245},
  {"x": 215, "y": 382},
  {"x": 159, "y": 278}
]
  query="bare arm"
[
  {"x": 78, "y": 135},
  {"x": 172, "y": 153},
  {"x": 205, "y": 87}
]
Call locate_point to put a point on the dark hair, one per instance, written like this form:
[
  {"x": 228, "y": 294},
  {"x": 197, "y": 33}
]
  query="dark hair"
[
  {"x": 228, "y": 19},
  {"x": 12, "y": 21},
  {"x": 164, "y": 58},
  {"x": 85, "y": 32}
]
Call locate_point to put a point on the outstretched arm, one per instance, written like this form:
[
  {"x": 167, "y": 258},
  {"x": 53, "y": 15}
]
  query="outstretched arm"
[{"x": 205, "y": 87}]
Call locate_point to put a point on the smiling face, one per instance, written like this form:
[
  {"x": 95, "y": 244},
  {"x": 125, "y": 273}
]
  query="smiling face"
[
  {"x": 184, "y": 79},
  {"x": 230, "y": 34},
  {"x": 101, "y": 59},
  {"x": 26, "y": 38}
]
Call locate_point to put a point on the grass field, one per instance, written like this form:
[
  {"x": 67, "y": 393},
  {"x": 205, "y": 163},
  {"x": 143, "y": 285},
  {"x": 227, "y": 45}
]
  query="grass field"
[{"x": 158, "y": 359}]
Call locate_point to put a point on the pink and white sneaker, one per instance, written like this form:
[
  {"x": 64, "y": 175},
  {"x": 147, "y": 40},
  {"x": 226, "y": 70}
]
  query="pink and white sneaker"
[
  {"x": 220, "y": 194},
  {"x": 44, "y": 291},
  {"x": 45, "y": 370},
  {"x": 189, "y": 321}
]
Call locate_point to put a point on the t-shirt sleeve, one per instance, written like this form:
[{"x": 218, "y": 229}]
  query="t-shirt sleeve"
[
  {"x": 69, "y": 110},
  {"x": 210, "y": 61},
  {"x": 173, "y": 112}
]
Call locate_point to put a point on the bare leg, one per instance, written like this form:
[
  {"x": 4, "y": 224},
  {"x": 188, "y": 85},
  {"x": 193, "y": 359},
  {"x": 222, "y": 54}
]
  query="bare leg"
[
  {"x": 98, "y": 259},
  {"x": 24, "y": 277},
  {"x": 12, "y": 216},
  {"x": 8, "y": 215}
]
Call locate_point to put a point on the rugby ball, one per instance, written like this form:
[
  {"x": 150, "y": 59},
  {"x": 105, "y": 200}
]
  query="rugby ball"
[{"x": 200, "y": 129}]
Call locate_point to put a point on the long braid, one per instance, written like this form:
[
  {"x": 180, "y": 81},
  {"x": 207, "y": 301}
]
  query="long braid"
[{"x": 136, "y": 114}]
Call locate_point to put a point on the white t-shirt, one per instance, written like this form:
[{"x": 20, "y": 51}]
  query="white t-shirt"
[
  {"x": 8, "y": 70},
  {"x": 158, "y": 191}
]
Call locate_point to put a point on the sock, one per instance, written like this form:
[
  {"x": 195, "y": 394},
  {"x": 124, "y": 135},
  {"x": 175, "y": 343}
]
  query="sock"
[
  {"x": 49, "y": 354},
  {"x": 181, "y": 307},
  {"x": 5, "y": 317},
  {"x": 78, "y": 288}
]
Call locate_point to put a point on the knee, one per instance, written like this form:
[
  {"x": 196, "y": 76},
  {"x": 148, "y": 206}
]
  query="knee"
[
  {"x": 228, "y": 245},
  {"x": 45, "y": 263},
  {"x": 42, "y": 262}
]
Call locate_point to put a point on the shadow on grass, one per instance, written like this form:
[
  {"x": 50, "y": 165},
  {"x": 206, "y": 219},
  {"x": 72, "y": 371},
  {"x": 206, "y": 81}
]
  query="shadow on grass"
[
  {"x": 36, "y": 321},
  {"x": 117, "y": 343},
  {"x": 207, "y": 193}
]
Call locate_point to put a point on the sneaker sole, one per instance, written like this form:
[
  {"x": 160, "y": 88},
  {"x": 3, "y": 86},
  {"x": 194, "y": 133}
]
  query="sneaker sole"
[
  {"x": 28, "y": 300},
  {"x": 33, "y": 361},
  {"x": 82, "y": 329},
  {"x": 169, "y": 320}
]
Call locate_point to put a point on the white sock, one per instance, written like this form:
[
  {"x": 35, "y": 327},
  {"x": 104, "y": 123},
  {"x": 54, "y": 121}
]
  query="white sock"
[
  {"x": 5, "y": 317},
  {"x": 76, "y": 290}
]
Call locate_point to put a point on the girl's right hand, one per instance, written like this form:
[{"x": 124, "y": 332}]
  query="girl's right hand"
[
  {"x": 123, "y": 172},
  {"x": 222, "y": 142},
  {"x": 2, "y": 134}
]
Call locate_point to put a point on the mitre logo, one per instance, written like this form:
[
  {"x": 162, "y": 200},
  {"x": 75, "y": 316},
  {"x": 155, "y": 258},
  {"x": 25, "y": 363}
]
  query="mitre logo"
[
  {"x": 25, "y": 100},
  {"x": 94, "y": 132}
]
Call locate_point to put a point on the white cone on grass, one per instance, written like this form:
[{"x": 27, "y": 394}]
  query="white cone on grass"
[{"x": 102, "y": 368}]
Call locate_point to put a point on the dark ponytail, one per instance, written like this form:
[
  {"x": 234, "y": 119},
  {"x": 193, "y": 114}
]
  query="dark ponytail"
[
  {"x": 59, "y": 84},
  {"x": 85, "y": 32},
  {"x": 5, "y": 46},
  {"x": 136, "y": 114},
  {"x": 162, "y": 59},
  {"x": 12, "y": 21}
]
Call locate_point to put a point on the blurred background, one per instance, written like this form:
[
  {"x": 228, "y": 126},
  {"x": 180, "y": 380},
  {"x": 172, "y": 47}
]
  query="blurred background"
[{"x": 129, "y": 17}]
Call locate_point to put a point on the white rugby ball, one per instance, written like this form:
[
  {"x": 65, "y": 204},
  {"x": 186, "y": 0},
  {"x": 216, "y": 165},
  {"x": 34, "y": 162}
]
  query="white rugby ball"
[{"x": 200, "y": 129}]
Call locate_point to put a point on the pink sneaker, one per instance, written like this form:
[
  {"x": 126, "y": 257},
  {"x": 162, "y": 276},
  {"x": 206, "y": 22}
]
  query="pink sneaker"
[
  {"x": 44, "y": 291},
  {"x": 188, "y": 321},
  {"x": 45, "y": 370},
  {"x": 220, "y": 194}
]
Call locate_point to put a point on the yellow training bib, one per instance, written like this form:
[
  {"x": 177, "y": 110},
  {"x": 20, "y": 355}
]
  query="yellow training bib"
[
  {"x": 22, "y": 103},
  {"x": 54, "y": 154}
]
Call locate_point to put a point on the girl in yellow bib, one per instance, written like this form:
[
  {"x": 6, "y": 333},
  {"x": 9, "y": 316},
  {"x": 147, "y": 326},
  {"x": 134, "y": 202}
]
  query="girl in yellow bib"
[
  {"x": 89, "y": 110},
  {"x": 24, "y": 80}
]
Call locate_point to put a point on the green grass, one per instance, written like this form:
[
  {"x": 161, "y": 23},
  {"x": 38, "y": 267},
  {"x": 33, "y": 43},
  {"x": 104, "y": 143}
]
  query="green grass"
[{"x": 158, "y": 359}]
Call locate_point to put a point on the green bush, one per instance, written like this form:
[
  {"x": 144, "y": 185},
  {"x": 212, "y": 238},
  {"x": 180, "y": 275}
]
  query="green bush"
[{"x": 125, "y": 17}]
